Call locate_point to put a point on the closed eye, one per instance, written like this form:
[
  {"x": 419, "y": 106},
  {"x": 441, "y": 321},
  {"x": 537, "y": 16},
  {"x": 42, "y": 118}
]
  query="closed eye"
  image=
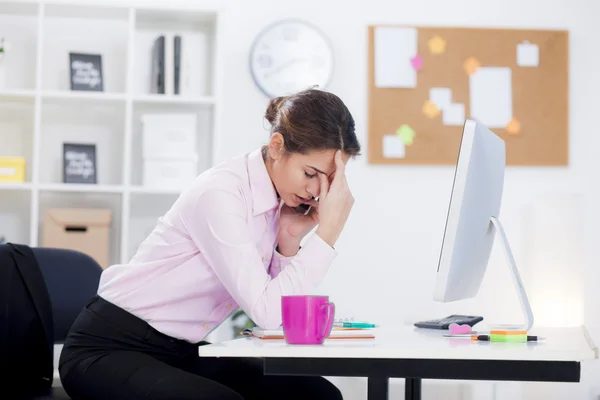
[{"x": 309, "y": 175}]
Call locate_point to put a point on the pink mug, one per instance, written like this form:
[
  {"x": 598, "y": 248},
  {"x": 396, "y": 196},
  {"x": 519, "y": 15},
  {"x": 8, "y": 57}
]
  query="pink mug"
[{"x": 306, "y": 319}]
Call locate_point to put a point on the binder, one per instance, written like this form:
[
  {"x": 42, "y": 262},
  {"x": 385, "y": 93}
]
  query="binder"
[{"x": 157, "y": 84}]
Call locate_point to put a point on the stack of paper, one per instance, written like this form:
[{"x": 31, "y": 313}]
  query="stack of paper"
[{"x": 336, "y": 333}]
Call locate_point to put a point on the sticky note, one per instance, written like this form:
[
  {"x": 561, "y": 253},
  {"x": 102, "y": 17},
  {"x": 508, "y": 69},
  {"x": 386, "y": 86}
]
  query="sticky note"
[
  {"x": 406, "y": 133},
  {"x": 454, "y": 114},
  {"x": 417, "y": 62},
  {"x": 393, "y": 147},
  {"x": 456, "y": 329},
  {"x": 513, "y": 127},
  {"x": 394, "y": 49},
  {"x": 437, "y": 45},
  {"x": 528, "y": 54},
  {"x": 470, "y": 65},
  {"x": 490, "y": 92},
  {"x": 430, "y": 109},
  {"x": 441, "y": 97}
]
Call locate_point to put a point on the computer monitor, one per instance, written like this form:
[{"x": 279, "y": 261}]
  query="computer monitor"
[{"x": 472, "y": 220}]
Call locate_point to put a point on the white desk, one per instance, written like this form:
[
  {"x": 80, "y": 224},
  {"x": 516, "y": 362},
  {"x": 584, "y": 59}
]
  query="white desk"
[{"x": 416, "y": 354}]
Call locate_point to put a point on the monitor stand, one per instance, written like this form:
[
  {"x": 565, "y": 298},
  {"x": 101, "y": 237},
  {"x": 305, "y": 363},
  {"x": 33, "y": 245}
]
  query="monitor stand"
[{"x": 516, "y": 277}]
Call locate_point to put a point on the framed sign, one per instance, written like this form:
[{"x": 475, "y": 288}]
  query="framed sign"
[
  {"x": 79, "y": 163},
  {"x": 86, "y": 72}
]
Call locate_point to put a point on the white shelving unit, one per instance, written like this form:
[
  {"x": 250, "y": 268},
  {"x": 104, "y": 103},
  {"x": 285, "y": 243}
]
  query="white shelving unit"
[{"x": 38, "y": 111}]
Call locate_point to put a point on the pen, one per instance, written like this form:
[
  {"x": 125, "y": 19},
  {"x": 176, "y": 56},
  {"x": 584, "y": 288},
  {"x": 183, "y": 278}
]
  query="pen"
[
  {"x": 506, "y": 338},
  {"x": 354, "y": 325}
]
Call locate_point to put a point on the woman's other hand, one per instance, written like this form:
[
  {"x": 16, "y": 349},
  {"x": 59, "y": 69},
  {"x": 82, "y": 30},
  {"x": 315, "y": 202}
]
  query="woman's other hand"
[{"x": 335, "y": 203}]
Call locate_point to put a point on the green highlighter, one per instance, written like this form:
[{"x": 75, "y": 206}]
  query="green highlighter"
[{"x": 508, "y": 338}]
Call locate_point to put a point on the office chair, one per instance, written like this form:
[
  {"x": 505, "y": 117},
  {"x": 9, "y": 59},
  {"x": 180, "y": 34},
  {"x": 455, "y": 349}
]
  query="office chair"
[{"x": 72, "y": 280}]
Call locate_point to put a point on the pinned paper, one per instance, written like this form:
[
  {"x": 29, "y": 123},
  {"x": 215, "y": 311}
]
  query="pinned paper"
[
  {"x": 513, "y": 127},
  {"x": 393, "y": 147},
  {"x": 437, "y": 45},
  {"x": 430, "y": 109},
  {"x": 528, "y": 54},
  {"x": 490, "y": 92},
  {"x": 471, "y": 64},
  {"x": 406, "y": 133},
  {"x": 394, "y": 49},
  {"x": 417, "y": 62},
  {"x": 454, "y": 114},
  {"x": 441, "y": 97}
]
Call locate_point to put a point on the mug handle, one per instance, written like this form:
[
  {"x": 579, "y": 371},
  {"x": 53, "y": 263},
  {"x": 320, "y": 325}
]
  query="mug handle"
[{"x": 328, "y": 313}]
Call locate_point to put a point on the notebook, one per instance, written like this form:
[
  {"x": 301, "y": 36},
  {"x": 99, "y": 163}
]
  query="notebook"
[{"x": 336, "y": 333}]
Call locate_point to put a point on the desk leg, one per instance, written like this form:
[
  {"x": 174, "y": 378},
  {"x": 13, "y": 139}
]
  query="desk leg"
[
  {"x": 412, "y": 389},
  {"x": 377, "y": 388}
]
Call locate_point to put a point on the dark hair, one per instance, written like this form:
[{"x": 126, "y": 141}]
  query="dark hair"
[{"x": 313, "y": 120}]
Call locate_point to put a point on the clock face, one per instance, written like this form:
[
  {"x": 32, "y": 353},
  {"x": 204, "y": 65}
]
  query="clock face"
[{"x": 290, "y": 56}]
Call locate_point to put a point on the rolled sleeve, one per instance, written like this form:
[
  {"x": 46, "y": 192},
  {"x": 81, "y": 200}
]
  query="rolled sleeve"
[{"x": 217, "y": 223}]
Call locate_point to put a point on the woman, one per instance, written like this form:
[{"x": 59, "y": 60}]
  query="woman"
[{"x": 231, "y": 240}]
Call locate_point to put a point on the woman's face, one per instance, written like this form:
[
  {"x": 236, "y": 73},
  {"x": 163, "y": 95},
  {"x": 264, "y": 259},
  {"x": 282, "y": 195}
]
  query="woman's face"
[{"x": 296, "y": 176}]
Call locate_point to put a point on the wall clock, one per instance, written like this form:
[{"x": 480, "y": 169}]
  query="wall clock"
[{"x": 289, "y": 56}]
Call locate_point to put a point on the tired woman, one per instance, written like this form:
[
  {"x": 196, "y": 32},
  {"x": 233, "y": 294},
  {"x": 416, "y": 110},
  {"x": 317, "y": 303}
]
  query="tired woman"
[{"x": 232, "y": 239}]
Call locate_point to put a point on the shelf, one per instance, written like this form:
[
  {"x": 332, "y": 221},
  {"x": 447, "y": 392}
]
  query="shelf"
[
  {"x": 77, "y": 96},
  {"x": 101, "y": 124},
  {"x": 19, "y": 27},
  {"x": 15, "y": 186},
  {"x": 184, "y": 18},
  {"x": 74, "y": 11},
  {"x": 85, "y": 29},
  {"x": 39, "y": 111},
  {"x": 81, "y": 188},
  {"x": 16, "y": 132},
  {"x": 17, "y": 95},
  {"x": 196, "y": 30},
  {"x": 173, "y": 99},
  {"x": 18, "y": 8},
  {"x": 144, "y": 190}
]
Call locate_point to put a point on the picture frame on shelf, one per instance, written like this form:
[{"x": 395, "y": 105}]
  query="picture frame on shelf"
[
  {"x": 79, "y": 163},
  {"x": 86, "y": 72}
]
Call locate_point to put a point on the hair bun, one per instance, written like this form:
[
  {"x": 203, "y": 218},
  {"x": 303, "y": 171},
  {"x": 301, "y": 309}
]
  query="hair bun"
[{"x": 273, "y": 109}]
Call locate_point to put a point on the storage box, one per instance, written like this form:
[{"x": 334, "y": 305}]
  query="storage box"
[
  {"x": 12, "y": 169},
  {"x": 81, "y": 229},
  {"x": 168, "y": 135},
  {"x": 175, "y": 173}
]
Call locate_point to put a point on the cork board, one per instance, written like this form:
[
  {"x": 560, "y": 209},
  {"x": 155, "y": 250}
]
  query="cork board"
[{"x": 513, "y": 81}]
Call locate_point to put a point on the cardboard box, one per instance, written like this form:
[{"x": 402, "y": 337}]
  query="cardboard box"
[
  {"x": 174, "y": 173},
  {"x": 81, "y": 229},
  {"x": 169, "y": 135}
]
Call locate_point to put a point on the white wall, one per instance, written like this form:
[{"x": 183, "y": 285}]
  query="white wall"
[{"x": 387, "y": 275}]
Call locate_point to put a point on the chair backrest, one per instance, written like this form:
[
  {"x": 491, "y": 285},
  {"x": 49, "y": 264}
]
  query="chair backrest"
[{"x": 72, "y": 280}]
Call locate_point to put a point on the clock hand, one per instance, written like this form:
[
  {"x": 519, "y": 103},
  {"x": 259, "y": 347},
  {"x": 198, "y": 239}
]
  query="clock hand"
[{"x": 283, "y": 66}]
